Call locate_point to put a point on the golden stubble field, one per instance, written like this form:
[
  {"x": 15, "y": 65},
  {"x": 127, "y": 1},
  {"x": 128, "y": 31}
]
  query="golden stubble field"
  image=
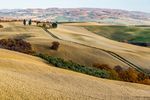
[{"x": 27, "y": 77}]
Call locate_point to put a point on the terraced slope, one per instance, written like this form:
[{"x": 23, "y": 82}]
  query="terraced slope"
[{"x": 26, "y": 77}]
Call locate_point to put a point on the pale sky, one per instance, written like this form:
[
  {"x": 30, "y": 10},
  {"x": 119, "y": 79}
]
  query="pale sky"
[{"x": 133, "y": 5}]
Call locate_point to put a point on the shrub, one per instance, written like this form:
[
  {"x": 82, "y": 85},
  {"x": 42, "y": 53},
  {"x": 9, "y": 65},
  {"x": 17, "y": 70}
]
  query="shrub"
[
  {"x": 16, "y": 45},
  {"x": 129, "y": 75},
  {"x": 54, "y": 25},
  {"x": 142, "y": 76},
  {"x": 55, "y": 45},
  {"x": 1, "y": 26},
  {"x": 145, "y": 81},
  {"x": 118, "y": 68},
  {"x": 102, "y": 66},
  {"x": 114, "y": 75}
]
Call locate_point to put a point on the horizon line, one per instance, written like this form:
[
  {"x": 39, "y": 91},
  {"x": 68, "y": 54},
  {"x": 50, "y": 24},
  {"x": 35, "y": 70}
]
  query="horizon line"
[{"x": 73, "y": 8}]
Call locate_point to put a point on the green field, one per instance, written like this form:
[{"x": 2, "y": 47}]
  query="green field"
[{"x": 123, "y": 33}]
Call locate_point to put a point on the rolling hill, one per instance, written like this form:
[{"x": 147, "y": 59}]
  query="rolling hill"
[
  {"x": 27, "y": 77},
  {"x": 74, "y": 33},
  {"x": 123, "y": 33},
  {"x": 109, "y": 16},
  {"x": 41, "y": 42},
  {"x": 75, "y": 40}
]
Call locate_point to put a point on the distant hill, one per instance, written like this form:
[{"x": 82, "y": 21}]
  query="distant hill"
[{"x": 110, "y": 16}]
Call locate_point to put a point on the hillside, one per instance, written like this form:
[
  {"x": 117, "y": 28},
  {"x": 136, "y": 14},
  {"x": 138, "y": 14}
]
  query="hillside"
[
  {"x": 135, "y": 54},
  {"x": 26, "y": 77},
  {"x": 123, "y": 33},
  {"x": 41, "y": 42},
  {"x": 79, "y": 45},
  {"x": 109, "y": 16}
]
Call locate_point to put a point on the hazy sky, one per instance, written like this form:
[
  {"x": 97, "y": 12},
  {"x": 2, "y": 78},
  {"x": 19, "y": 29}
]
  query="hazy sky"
[{"x": 135, "y": 5}]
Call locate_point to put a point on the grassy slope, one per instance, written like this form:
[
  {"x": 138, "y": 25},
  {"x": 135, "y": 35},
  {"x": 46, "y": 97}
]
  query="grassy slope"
[
  {"x": 122, "y": 33},
  {"x": 26, "y": 77}
]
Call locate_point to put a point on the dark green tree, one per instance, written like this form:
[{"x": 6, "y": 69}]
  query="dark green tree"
[
  {"x": 54, "y": 25},
  {"x": 30, "y": 22},
  {"x": 24, "y": 22}
]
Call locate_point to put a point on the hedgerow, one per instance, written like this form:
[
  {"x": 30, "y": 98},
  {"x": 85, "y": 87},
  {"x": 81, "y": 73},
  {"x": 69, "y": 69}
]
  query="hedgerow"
[{"x": 58, "y": 62}]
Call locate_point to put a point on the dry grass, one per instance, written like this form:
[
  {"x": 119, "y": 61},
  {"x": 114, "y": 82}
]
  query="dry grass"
[
  {"x": 26, "y": 77},
  {"x": 77, "y": 53},
  {"x": 136, "y": 54},
  {"x": 41, "y": 42}
]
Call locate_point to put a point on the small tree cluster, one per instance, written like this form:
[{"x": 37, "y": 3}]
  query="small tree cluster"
[
  {"x": 16, "y": 45},
  {"x": 54, "y": 25},
  {"x": 55, "y": 45},
  {"x": 131, "y": 75},
  {"x": 128, "y": 75}
]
